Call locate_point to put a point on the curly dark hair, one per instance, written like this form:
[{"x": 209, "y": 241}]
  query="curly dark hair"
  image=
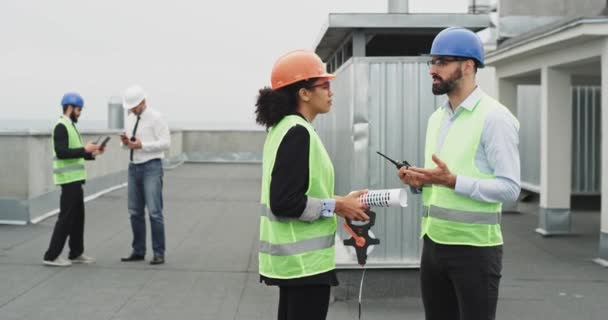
[{"x": 273, "y": 105}]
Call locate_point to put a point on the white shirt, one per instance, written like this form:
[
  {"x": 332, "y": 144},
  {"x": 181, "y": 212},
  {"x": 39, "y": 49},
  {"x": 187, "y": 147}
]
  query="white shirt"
[{"x": 153, "y": 132}]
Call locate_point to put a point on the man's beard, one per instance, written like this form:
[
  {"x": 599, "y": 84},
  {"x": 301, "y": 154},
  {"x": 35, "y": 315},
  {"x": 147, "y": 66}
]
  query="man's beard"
[
  {"x": 446, "y": 86},
  {"x": 73, "y": 117}
]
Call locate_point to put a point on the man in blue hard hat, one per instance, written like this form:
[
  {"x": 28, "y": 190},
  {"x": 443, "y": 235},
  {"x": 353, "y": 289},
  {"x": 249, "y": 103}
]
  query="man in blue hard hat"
[
  {"x": 471, "y": 167},
  {"x": 69, "y": 172}
]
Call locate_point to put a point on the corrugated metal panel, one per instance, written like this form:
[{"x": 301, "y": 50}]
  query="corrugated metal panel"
[
  {"x": 586, "y": 121},
  {"x": 586, "y": 126},
  {"x": 528, "y": 111},
  {"x": 380, "y": 104}
]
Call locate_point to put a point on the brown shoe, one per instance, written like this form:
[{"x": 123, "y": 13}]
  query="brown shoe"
[
  {"x": 157, "y": 260},
  {"x": 132, "y": 257}
]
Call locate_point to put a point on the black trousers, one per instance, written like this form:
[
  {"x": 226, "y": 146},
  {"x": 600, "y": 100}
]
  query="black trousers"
[
  {"x": 307, "y": 302},
  {"x": 70, "y": 222},
  {"x": 460, "y": 282}
]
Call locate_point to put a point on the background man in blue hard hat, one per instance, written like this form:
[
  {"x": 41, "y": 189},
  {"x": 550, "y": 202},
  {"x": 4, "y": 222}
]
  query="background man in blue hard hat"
[
  {"x": 69, "y": 172},
  {"x": 471, "y": 167}
]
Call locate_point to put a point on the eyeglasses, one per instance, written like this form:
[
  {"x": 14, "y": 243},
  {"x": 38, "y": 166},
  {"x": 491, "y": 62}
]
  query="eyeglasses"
[
  {"x": 443, "y": 61},
  {"x": 323, "y": 85}
]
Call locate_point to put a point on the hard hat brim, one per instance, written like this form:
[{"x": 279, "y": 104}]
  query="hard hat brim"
[
  {"x": 428, "y": 55},
  {"x": 128, "y": 106},
  {"x": 328, "y": 76},
  {"x": 133, "y": 96}
]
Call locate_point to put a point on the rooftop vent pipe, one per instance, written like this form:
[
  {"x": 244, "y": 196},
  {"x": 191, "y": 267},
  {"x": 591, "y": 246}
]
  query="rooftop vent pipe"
[{"x": 398, "y": 6}]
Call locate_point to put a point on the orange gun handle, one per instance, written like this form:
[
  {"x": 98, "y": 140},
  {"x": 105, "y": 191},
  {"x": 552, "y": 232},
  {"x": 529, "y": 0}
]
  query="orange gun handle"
[{"x": 359, "y": 241}]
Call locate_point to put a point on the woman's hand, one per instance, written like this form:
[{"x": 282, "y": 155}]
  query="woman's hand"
[{"x": 349, "y": 207}]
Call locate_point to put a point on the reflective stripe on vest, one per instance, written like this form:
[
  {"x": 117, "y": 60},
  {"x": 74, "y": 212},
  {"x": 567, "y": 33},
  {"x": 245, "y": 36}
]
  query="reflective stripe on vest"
[
  {"x": 299, "y": 247},
  {"x": 462, "y": 216},
  {"x": 74, "y": 167}
]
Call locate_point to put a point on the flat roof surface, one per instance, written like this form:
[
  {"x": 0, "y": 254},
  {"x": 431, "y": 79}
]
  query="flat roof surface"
[{"x": 212, "y": 213}]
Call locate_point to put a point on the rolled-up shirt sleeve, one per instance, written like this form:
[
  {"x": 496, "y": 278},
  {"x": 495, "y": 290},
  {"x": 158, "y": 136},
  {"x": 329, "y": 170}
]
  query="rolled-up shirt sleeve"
[
  {"x": 500, "y": 139},
  {"x": 162, "y": 135}
]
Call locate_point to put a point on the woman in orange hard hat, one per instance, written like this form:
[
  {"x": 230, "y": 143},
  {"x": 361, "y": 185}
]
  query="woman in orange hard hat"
[{"x": 298, "y": 222}]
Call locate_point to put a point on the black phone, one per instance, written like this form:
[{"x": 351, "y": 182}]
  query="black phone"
[
  {"x": 397, "y": 164},
  {"x": 104, "y": 142}
]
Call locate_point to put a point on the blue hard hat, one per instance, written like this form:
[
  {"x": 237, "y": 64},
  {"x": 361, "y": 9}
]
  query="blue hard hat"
[
  {"x": 72, "y": 98},
  {"x": 458, "y": 42}
]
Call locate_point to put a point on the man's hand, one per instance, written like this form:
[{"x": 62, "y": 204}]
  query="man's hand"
[
  {"x": 91, "y": 147},
  {"x": 440, "y": 175},
  {"x": 350, "y": 207},
  {"x": 409, "y": 179},
  {"x": 98, "y": 152},
  {"x": 135, "y": 144},
  {"x": 124, "y": 139}
]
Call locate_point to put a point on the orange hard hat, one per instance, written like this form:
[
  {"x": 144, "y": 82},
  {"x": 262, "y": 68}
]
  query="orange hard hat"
[{"x": 296, "y": 66}]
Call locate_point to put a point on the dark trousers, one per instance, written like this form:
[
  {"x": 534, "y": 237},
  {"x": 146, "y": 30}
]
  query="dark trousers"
[
  {"x": 307, "y": 302},
  {"x": 69, "y": 223},
  {"x": 460, "y": 282}
]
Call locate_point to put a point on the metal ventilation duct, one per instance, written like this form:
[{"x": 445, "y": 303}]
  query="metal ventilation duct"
[
  {"x": 398, "y": 6},
  {"x": 480, "y": 6}
]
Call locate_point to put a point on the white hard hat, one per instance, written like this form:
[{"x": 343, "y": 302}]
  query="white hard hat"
[{"x": 133, "y": 96}]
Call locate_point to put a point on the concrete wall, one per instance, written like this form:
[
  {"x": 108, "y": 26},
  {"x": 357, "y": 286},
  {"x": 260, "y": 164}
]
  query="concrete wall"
[
  {"x": 27, "y": 166},
  {"x": 177, "y": 143},
  {"x": 220, "y": 146},
  {"x": 223, "y": 141},
  {"x": 14, "y": 171},
  {"x": 550, "y": 7},
  {"x": 27, "y": 191}
]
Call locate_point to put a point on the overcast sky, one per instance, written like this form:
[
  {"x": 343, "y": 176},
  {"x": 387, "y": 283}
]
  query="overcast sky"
[{"x": 200, "y": 61}]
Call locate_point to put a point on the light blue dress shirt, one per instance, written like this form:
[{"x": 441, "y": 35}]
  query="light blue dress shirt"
[
  {"x": 498, "y": 153},
  {"x": 328, "y": 208},
  {"x": 318, "y": 208}
]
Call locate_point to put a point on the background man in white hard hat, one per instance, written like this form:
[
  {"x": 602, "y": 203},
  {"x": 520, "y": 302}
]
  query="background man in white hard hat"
[{"x": 147, "y": 137}]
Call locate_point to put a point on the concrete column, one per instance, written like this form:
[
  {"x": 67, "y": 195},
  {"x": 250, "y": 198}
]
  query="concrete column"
[
  {"x": 507, "y": 95},
  {"x": 359, "y": 43},
  {"x": 603, "y": 241},
  {"x": 555, "y": 148}
]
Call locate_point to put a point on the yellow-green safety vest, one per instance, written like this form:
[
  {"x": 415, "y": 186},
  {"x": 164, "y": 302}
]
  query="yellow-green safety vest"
[
  {"x": 291, "y": 248},
  {"x": 450, "y": 218},
  {"x": 68, "y": 170}
]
